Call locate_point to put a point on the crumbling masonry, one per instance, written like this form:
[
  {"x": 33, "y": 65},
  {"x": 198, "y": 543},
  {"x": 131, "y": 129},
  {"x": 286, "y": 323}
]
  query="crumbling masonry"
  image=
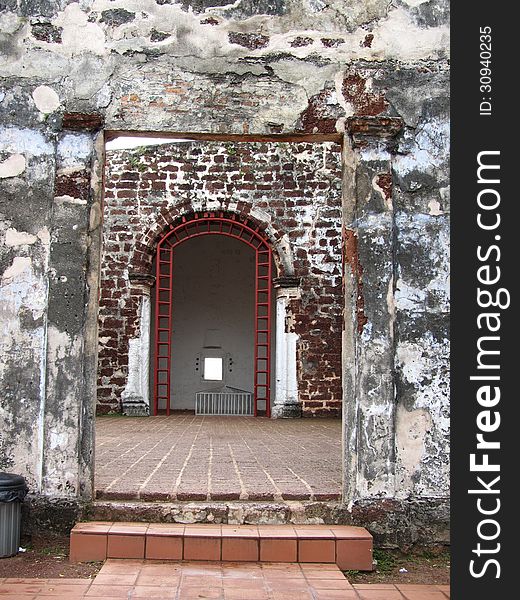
[
  {"x": 326, "y": 124},
  {"x": 293, "y": 189}
]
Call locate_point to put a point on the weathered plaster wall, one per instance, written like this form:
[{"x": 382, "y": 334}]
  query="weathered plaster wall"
[
  {"x": 44, "y": 297},
  {"x": 266, "y": 67},
  {"x": 27, "y": 172},
  {"x": 397, "y": 248}
]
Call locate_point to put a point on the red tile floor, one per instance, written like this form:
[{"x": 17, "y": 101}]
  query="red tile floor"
[
  {"x": 210, "y": 580},
  {"x": 188, "y": 457}
]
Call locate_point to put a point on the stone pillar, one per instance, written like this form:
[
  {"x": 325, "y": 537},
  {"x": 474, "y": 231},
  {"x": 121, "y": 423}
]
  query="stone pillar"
[
  {"x": 66, "y": 316},
  {"x": 135, "y": 399},
  {"x": 66, "y": 422},
  {"x": 286, "y": 403},
  {"x": 368, "y": 379}
]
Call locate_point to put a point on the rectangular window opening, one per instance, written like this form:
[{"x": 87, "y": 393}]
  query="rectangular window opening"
[{"x": 213, "y": 369}]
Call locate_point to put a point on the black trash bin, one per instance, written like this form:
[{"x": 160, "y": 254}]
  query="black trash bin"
[{"x": 13, "y": 490}]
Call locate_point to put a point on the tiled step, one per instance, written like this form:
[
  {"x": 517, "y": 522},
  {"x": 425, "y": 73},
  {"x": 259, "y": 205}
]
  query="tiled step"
[{"x": 348, "y": 547}]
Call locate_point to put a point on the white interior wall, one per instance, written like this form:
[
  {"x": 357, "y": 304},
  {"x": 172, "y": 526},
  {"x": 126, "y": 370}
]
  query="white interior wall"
[{"x": 213, "y": 305}]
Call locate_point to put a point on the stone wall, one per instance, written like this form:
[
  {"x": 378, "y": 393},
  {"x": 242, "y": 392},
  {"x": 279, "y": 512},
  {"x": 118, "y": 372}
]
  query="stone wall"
[{"x": 372, "y": 75}]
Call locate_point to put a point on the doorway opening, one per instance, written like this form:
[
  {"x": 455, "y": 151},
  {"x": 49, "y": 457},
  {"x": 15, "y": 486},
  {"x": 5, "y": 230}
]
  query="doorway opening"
[
  {"x": 213, "y": 325},
  {"x": 162, "y": 197}
]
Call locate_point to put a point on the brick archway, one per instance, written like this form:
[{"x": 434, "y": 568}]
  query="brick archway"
[
  {"x": 198, "y": 225},
  {"x": 144, "y": 251}
]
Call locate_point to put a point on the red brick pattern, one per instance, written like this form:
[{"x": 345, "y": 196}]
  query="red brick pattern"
[
  {"x": 187, "y": 457},
  {"x": 298, "y": 187},
  {"x": 220, "y": 581}
]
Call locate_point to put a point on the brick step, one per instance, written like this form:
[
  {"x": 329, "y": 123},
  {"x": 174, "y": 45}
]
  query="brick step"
[{"x": 348, "y": 547}]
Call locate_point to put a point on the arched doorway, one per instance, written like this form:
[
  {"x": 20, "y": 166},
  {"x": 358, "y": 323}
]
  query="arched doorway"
[{"x": 213, "y": 362}]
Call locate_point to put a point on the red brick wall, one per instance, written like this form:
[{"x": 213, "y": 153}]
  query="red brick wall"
[{"x": 293, "y": 187}]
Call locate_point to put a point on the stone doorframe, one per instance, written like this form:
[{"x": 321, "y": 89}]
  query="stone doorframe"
[{"x": 367, "y": 155}]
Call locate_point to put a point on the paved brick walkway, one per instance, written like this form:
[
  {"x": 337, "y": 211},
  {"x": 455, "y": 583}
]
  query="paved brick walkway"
[
  {"x": 220, "y": 581},
  {"x": 188, "y": 457}
]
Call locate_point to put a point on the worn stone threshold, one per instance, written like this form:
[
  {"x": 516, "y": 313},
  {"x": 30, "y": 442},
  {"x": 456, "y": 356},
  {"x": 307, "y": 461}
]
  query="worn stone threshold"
[
  {"x": 231, "y": 512},
  {"x": 214, "y": 497}
]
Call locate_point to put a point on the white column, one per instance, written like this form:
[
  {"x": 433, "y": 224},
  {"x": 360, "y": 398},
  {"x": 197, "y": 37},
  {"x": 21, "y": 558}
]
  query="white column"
[
  {"x": 286, "y": 390},
  {"x": 136, "y": 397}
]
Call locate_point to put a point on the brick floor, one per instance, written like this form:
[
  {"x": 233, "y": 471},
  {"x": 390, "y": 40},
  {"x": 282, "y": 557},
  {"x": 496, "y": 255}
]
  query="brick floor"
[
  {"x": 219, "y": 581},
  {"x": 188, "y": 457}
]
